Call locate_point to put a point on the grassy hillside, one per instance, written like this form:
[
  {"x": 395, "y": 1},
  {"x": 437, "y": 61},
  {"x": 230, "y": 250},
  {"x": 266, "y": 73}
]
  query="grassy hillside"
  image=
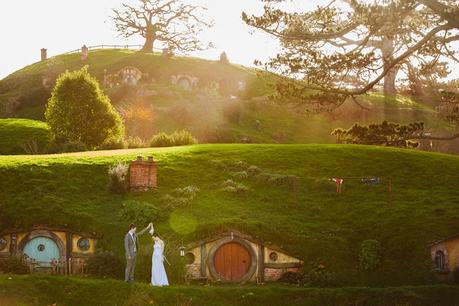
[
  {"x": 39, "y": 290},
  {"x": 308, "y": 219},
  {"x": 23, "y": 136},
  {"x": 209, "y": 114}
]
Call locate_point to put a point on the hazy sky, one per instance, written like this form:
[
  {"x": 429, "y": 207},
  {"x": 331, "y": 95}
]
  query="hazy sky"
[{"x": 65, "y": 25}]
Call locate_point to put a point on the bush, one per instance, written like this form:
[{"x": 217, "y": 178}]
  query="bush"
[
  {"x": 234, "y": 187},
  {"x": 135, "y": 143},
  {"x": 118, "y": 182},
  {"x": 78, "y": 110},
  {"x": 178, "y": 138},
  {"x": 113, "y": 143},
  {"x": 319, "y": 276},
  {"x": 233, "y": 112},
  {"x": 161, "y": 140},
  {"x": 369, "y": 256},
  {"x": 69, "y": 146},
  {"x": 292, "y": 278},
  {"x": 14, "y": 265},
  {"x": 105, "y": 264},
  {"x": 139, "y": 212},
  {"x": 183, "y": 138}
]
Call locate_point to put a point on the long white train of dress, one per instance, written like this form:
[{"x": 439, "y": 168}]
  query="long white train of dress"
[{"x": 158, "y": 273}]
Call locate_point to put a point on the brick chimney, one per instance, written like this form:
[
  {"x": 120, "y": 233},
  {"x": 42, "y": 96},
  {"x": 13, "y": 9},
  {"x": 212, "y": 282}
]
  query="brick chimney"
[
  {"x": 142, "y": 174},
  {"x": 44, "y": 54}
]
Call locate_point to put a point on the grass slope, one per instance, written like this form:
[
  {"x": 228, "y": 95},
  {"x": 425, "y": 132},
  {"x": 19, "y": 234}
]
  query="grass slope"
[
  {"x": 41, "y": 290},
  {"x": 211, "y": 118},
  {"x": 310, "y": 221},
  {"x": 21, "y": 136}
]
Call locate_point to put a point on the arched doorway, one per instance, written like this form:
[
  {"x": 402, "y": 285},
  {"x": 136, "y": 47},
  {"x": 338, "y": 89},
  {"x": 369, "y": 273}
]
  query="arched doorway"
[
  {"x": 43, "y": 250},
  {"x": 232, "y": 261}
]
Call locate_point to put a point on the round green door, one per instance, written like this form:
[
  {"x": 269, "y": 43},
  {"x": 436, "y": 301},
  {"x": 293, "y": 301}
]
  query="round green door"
[{"x": 43, "y": 250}]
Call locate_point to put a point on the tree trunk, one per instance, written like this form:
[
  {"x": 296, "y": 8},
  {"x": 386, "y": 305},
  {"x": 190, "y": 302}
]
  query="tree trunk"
[
  {"x": 389, "y": 82},
  {"x": 149, "y": 41},
  {"x": 388, "y": 56}
]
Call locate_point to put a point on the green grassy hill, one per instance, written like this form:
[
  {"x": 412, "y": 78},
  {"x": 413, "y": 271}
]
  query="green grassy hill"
[
  {"x": 208, "y": 113},
  {"x": 309, "y": 219},
  {"x": 23, "y": 136},
  {"x": 40, "y": 290}
]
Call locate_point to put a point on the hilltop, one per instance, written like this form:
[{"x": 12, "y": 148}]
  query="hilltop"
[
  {"x": 308, "y": 220},
  {"x": 229, "y": 103}
]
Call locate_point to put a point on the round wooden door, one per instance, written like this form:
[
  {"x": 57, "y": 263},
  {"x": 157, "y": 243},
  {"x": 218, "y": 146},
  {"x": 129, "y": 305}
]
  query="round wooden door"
[
  {"x": 232, "y": 261},
  {"x": 43, "y": 250}
]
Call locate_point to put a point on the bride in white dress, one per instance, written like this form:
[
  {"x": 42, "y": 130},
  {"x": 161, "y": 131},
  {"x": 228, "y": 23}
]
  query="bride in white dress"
[{"x": 158, "y": 273}]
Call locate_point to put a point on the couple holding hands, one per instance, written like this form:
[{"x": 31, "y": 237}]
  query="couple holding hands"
[{"x": 131, "y": 246}]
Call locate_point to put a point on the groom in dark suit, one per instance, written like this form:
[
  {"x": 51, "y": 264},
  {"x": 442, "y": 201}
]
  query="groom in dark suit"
[{"x": 131, "y": 246}]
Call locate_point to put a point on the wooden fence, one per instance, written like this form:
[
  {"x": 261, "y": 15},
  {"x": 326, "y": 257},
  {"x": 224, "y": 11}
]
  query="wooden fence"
[{"x": 72, "y": 266}]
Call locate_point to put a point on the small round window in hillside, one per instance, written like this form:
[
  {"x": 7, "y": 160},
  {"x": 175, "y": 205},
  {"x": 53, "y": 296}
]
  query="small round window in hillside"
[
  {"x": 41, "y": 247},
  {"x": 83, "y": 244},
  {"x": 189, "y": 258},
  {"x": 3, "y": 243},
  {"x": 273, "y": 256}
]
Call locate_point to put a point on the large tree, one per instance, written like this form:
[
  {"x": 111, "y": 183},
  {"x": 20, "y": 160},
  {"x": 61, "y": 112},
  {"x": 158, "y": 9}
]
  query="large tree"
[
  {"x": 175, "y": 24},
  {"x": 347, "y": 47}
]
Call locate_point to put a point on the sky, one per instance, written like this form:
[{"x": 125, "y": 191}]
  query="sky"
[{"x": 65, "y": 25}]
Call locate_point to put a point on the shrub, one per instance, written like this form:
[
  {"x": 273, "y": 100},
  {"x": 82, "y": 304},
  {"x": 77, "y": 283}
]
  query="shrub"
[
  {"x": 105, "y": 264},
  {"x": 118, "y": 182},
  {"x": 183, "y": 138},
  {"x": 78, "y": 110},
  {"x": 69, "y": 146},
  {"x": 14, "y": 265},
  {"x": 319, "y": 276},
  {"x": 178, "y": 138},
  {"x": 161, "y": 140},
  {"x": 232, "y": 112},
  {"x": 113, "y": 143},
  {"x": 135, "y": 143},
  {"x": 139, "y": 212},
  {"x": 234, "y": 187},
  {"x": 292, "y": 278},
  {"x": 369, "y": 256},
  {"x": 239, "y": 175}
]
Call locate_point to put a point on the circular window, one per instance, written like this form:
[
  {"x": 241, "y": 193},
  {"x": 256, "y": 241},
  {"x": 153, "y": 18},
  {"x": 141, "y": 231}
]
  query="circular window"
[
  {"x": 273, "y": 256},
  {"x": 41, "y": 247},
  {"x": 189, "y": 258},
  {"x": 83, "y": 244},
  {"x": 3, "y": 243}
]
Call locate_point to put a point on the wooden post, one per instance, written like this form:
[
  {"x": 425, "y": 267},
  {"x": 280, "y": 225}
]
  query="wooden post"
[
  {"x": 261, "y": 264},
  {"x": 203, "y": 259}
]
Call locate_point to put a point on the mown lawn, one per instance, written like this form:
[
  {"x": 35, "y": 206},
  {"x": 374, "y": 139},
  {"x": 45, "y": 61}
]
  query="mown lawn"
[
  {"x": 47, "y": 290},
  {"x": 308, "y": 220}
]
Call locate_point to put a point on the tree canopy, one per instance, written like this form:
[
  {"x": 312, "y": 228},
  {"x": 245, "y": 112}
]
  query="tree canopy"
[
  {"x": 171, "y": 22},
  {"x": 79, "y": 111},
  {"x": 347, "y": 47}
]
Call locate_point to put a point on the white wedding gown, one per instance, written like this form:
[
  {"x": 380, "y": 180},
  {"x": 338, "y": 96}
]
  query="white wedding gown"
[{"x": 158, "y": 273}]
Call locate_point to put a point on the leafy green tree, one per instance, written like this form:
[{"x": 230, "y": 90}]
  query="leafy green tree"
[
  {"x": 78, "y": 110},
  {"x": 347, "y": 47},
  {"x": 384, "y": 134}
]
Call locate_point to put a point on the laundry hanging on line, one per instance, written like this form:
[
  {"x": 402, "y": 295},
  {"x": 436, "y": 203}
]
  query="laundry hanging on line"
[{"x": 365, "y": 180}]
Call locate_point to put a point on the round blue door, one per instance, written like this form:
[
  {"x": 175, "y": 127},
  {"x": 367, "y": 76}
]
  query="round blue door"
[{"x": 43, "y": 250}]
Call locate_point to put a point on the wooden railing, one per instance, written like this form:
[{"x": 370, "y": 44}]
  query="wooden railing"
[
  {"x": 74, "y": 266},
  {"x": 133, "y": 47}
]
